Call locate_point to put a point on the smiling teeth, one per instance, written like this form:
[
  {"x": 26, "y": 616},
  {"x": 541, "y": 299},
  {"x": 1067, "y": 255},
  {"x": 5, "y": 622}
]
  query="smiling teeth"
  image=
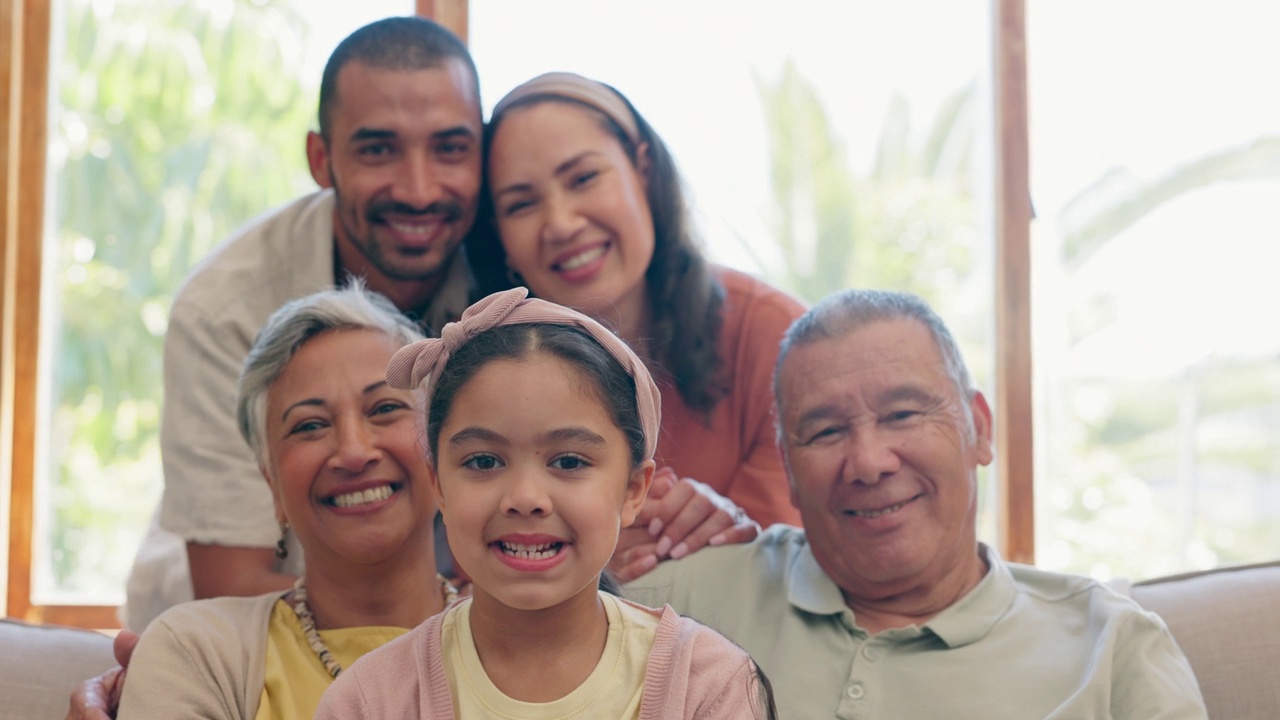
[
  {"x": 878, "y": 513},
  {"x": 541, "y": 551},
  {"x": 413, "y": 228},
  {"x": 581, "y": 259},
  {"x": 363, "y": 497}
]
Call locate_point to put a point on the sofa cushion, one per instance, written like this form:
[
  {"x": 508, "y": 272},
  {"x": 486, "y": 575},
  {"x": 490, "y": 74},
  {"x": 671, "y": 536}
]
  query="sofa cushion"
[
  {"x": 41, "y": 664},
  {"x": 1227, "y": 621}
]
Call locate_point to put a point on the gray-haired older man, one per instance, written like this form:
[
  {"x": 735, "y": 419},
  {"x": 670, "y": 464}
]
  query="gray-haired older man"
[{"x": 886, "y": 605}]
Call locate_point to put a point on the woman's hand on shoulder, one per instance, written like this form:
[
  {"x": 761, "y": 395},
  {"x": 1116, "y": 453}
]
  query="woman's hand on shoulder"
[
  {"x": 98, "y": 698},
  {"x": 681, "y": 516}
]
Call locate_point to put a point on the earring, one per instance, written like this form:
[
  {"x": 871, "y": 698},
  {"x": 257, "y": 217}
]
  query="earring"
[
  {"x": 282, "y": 550},
  {"x": 513, "y": 277}
]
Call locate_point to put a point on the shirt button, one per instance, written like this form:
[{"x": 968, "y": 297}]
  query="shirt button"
[
  {"x": 870, "y": 653},
  {"x": 854, "y": 691}
]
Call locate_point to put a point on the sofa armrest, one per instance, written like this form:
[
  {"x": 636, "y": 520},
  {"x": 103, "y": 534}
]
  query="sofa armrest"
[
  {"x": 1227, "y": 621},
  {"x": 41, "y": 664}
]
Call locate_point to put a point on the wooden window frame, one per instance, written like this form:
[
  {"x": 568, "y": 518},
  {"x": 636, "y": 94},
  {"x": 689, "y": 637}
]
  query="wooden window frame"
[{"x": 24, "y": 93}]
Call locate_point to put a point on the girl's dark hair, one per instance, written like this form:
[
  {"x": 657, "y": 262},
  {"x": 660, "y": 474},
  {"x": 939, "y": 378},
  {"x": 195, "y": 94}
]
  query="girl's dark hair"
[
  {"x": 606, "y": 378},
  {"x": 684, "y": 297},
  {"x": 767, "y": 704}
]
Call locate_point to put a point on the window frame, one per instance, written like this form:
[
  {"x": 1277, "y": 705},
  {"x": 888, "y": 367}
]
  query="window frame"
[{"x": 24, "y": 98}]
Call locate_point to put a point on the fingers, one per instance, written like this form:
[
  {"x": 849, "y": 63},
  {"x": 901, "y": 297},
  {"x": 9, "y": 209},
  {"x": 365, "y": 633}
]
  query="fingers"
[
  {"x": 123, "y": 646},
  {"x": 663, "y": 480},
  {"x": 743, "y": 530},
  {"x": 696, "y": 512},
  {"x": 704, "y": 518},
  {"x": 631, "y": 537},
  {"x": 629, "y": 564},
  {"x": 91, "y": 700},
  {"x": 659, "y": 505}
]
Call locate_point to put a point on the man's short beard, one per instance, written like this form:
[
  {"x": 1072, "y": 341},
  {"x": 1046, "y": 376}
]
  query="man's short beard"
[{"x": 372, "y": 252}]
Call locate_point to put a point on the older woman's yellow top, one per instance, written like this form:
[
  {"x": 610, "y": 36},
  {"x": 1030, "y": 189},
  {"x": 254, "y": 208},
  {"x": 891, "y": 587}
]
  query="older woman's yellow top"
[{"x": 295, "y": 677}]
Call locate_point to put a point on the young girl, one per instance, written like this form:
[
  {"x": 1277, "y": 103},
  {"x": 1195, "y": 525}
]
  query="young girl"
[{"x": 541, "y": 427}]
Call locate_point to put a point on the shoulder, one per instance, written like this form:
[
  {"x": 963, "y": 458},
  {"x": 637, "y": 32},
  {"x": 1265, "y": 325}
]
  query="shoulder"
[
  {"x": 697, "y": 671},
  {"x": 209, "y": 653},
  {"x": 754, "y": 317},
  {"x": 748, "y": 295},
  {"x": 714, "y": 572},
  {"x": 217, "y": 614},
  {"x": 1086, "y": 598},
  {"x": 706, "y": 646},
  {"x": 300, "y": 232}
]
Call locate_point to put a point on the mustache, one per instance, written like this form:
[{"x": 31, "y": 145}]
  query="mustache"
[{"x": 448, "y": 210}]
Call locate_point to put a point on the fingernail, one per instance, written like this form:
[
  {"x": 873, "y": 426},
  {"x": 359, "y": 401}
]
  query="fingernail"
[
  {"x": 679, "y": 551},
  {"x": 663, "y": 546},
  {"x": 655, "y": 527},
  {"x": 648, "y": 562},
  {"x": 716, "y": 540}
]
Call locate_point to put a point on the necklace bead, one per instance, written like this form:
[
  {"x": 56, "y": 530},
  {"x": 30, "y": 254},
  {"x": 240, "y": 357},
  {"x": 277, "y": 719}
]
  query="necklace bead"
[{"x": 308, "y": 621}]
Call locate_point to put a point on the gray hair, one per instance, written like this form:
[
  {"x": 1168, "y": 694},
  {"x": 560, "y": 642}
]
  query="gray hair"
[
  {"x": 843, "y": 312},
  {"x": 289, "y": 328}
]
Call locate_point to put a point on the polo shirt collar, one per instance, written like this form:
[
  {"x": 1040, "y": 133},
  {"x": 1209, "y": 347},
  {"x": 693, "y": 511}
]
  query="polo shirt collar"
[
  {"x": 810, "y": 589},
  {"x": 975, "y": 614},
  {"x": 970, "y": 619}
]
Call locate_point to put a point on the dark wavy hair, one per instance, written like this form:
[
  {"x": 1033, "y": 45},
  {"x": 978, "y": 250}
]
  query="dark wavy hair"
[
  {"x": 394, "y": 43},
  {"x": 685, "y": 299}
]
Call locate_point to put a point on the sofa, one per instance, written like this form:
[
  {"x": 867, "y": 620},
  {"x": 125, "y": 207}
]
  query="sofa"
[{"x": 1226, "y": 620}]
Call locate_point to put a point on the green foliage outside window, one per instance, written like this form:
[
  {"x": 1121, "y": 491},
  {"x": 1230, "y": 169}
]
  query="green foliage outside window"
[{"x": 175, "y": 123}]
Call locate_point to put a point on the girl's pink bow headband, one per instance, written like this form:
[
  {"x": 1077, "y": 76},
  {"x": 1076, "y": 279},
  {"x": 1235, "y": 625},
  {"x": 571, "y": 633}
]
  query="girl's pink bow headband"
[{"x": 425, "y": 358}]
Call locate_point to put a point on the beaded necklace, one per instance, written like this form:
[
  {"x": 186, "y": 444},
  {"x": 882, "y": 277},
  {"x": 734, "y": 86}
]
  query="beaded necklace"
[{"x": 308, "y": 621}]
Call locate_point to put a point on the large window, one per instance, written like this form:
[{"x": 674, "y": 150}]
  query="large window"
[
  {"x": 171, "y": 124},
  {"x": 1155, "y": 140}
]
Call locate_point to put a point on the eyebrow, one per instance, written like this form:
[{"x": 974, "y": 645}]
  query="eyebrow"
[
  {"x": 822, "y": 412},
  {"x": 366, "y": 133},
  {"x": 579, "y": 434},
  {"x": 894, "y": 394},
  {"x": 466, "y": 435},
  {"x": 561, "y": 169},
  {"x": 317, "y": 402},
  {"x": 908, "y": 392},
  {"x": 362, "y": 134}
]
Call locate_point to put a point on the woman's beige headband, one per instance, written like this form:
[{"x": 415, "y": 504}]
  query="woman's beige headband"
[{"x": 571, "y": 86}]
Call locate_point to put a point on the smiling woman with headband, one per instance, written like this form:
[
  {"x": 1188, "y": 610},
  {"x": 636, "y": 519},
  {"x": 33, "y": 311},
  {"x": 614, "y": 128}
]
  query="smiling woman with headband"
[
  {"x": 541, "y": 428},
  {"x": 589, "y": 212}
]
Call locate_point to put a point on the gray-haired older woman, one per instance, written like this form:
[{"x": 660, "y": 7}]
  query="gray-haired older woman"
[{"x": 340, "y": 450}]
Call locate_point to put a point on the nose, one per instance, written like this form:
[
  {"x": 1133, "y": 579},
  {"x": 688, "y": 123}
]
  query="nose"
[
  {"x": 418, "y": 183},
  {"x": 872, "y": 456},
  {"x": 526, "y": 494},
  {"x": 356, "y": 448},
  {"x": 561, "y": 220}
]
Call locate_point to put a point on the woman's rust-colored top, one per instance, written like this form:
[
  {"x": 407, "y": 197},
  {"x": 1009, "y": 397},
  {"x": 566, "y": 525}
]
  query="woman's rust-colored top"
[{"x": 736, "y": 453}]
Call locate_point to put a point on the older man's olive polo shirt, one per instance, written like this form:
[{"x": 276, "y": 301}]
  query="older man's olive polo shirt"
[{"x": 1024, "y": 643}]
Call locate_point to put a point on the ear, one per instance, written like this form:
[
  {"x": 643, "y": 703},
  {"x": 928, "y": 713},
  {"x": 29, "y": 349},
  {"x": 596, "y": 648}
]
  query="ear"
[
  {"x": 638, "y": 484},
  {"x": 644, "y": 162},
  {"x": 433, "y": 477},
  {"x": 982, "y": 432},
  {"x": 318, "y": 159},
  {"x": 276, "y": 499}
]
